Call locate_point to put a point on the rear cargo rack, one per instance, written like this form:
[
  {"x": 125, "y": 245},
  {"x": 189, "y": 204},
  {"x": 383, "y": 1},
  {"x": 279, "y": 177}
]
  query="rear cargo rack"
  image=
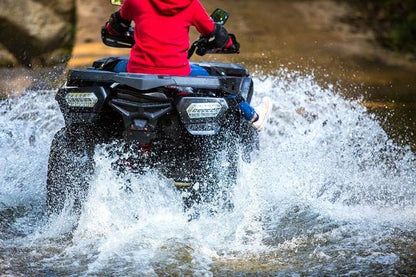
[{"x": 148, "y": 81}]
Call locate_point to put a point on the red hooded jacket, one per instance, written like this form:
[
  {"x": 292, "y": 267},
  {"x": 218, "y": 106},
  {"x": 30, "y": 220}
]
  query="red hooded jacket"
[{"x": 162, "y": 34}]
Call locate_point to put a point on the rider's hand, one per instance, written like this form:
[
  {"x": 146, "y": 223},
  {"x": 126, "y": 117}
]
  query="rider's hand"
[
  {"x": 204, "y": 45},
  {"x": 116, "y": 25},
  {"x": 232, "y": 44},
  {"x": 229, "y": 43},
  {"x": 110, "y": 30}
]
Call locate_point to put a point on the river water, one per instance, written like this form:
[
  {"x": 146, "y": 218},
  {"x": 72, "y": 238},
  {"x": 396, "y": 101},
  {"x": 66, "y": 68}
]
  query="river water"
[{"x": 328, "y": 192}]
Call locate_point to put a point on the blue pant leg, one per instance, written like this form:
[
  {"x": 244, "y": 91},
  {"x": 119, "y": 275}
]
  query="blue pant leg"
[
  {"x": 121, "y": 66},
  {"x": 245, "y": 108},
  {"x": 197, "y": 70}
]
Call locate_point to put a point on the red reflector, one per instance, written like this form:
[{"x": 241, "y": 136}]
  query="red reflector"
[{"x": 183, "y": 93}]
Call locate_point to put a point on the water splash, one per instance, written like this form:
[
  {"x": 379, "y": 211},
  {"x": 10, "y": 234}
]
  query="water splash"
[
  {"x": 327, "y": 192},
  {"x": 332, "y": 149},
  {"x": 26, "y": 128}
]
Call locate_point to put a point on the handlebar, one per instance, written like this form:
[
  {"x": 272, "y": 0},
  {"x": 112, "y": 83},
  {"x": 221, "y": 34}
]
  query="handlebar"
[
  {"x": 201, "y": 46},
  {"x": 125, "y": 40}
]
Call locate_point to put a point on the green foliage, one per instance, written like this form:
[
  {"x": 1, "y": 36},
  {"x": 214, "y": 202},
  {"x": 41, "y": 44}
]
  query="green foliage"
[{"x": 394, "y": 22}]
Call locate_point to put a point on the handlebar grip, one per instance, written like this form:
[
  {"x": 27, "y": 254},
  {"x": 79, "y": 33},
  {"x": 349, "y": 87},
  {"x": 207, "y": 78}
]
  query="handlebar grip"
[
  {"x": 125, "y": 40},
  {"x": 202, "y": 46}
]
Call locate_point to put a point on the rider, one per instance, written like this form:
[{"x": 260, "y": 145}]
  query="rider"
[{"x": 162, "y": 40}]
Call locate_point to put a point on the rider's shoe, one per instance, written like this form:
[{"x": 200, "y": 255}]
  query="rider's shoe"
[{"x": 263, "y": 112}]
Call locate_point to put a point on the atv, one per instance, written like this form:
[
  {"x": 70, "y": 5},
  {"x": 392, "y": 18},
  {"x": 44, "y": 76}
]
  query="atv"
[{"x": 189, "y": 129}]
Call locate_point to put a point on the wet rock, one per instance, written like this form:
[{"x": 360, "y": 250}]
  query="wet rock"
[
  {"x": 6, "y": 58},
  {"x": 36, "y": 33}
]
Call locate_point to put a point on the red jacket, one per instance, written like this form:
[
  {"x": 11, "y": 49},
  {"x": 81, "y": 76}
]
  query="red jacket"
[{"x": 162, "y": 34}]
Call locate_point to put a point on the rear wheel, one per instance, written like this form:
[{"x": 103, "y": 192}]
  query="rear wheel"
[
  {"x": 69, "y": 168},
  {"x": 220, "y": 173},
  {"x": 209, "y": 166}
]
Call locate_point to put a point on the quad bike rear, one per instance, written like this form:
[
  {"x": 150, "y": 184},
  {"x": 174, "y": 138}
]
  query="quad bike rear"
[{"x": 189, "y": 129}]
